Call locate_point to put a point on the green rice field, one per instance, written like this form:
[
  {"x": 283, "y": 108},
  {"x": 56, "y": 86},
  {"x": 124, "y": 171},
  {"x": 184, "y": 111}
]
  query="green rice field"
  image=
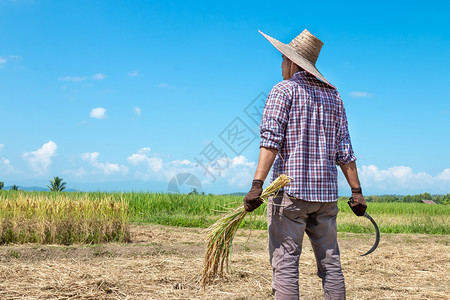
[{"x": 202, "y": 210}]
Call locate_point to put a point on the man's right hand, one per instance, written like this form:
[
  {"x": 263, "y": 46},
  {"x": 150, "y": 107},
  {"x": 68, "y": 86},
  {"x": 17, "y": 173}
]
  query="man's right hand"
[{"x": 252, "y": 200}]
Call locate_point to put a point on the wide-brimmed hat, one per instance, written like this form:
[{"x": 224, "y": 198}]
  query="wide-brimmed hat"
[{"x": 303, "y": 51}]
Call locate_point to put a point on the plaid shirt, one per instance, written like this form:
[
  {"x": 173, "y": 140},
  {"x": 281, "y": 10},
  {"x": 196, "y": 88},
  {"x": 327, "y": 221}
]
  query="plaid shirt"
[{"x": 305, "y": 120}]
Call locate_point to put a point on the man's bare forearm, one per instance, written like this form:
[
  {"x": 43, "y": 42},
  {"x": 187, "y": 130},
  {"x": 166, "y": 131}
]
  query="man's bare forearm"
[
  {"x": 351, "y": 174},
  {"x": 265, "y": 162}
]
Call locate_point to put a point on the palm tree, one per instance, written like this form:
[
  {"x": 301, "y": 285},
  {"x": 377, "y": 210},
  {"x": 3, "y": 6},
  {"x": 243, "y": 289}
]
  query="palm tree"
[
  {"x": 57, "y": 184},
  {"x": 15, "y": 188}
]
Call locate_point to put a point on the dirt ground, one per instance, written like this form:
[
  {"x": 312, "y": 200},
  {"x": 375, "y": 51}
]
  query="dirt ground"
[{"x": 165, "y": 263}]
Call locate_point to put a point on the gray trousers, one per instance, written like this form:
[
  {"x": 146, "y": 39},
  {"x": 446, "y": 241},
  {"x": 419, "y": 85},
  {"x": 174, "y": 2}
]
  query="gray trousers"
[{"x": 288, "y": 219}]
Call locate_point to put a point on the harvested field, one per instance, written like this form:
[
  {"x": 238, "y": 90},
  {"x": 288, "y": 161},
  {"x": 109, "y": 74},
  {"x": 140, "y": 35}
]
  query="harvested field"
[{"x": 166, "y": 263}]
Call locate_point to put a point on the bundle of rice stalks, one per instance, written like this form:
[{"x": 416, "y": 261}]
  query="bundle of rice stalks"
[{"x": 220, "y": 235}]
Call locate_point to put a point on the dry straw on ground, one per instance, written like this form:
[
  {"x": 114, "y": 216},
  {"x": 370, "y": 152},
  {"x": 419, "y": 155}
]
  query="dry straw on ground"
[
  {"x": 164, "y": 262},
  {"x": 220, "y": 235}
]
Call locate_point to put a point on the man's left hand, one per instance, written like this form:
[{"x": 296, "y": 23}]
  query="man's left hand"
[{"x": 357, "y": 202}]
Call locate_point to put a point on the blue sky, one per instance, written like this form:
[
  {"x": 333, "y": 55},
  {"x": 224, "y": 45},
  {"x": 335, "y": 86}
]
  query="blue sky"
[{"x": 125, "y": 95}]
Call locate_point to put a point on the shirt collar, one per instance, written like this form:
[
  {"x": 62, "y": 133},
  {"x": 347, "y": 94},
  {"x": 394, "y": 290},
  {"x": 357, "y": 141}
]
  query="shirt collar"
[{"x": 301, "y": 74}]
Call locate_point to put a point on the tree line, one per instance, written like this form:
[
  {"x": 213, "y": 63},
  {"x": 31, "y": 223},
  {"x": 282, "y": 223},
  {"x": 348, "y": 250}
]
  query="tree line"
[
  {"x": 56, "y": 185},
  {"x": 439, "y": 199}
]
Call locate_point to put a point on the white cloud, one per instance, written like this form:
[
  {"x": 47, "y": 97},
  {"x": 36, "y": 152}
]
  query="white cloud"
[
  {"x": 444, "y": 176},
  {"x": 104, "y": 168},
  {"x": 40, "y": 160},
  {"x": 241, "y": 160},
  {"x": 73, "y": 78},
  {"x": 9, "y": 58},
  {"x": 356, "y": 94},
  {"x": 163, "y": 85},
  {"x": 137, "y": 111},
  {"x": 14, "y": 57},
  {"x": 236, "y": 172},
  {"x": 78, "y": 172},
  {"x": 398, "y": 174},
  {"x": 92, "y": 156},
  {"x": 98, "y": 76},
  {"x": 150, "y": 167},
  {"x": 98, "y": 113},
  {"x": 6, "y": 162},
  {"x": 154, "y": 164},
  {"x": 240, "y": 172},
  {"x": 133, "y": 73},
  {"x": 182, "y": 163},
  {"x": 6, "y": 167},
  {"x": 403, "y": 180}
]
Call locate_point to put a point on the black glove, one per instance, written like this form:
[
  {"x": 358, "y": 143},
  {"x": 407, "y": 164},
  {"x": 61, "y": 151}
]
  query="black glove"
[
  {"x": 252, "y": 200},
  {"x": 357, "y": 202}
]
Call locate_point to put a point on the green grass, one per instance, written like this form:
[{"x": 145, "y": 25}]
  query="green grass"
[
  {"x": 203, "y": 210},
  {"x": 393, "y": 217}
]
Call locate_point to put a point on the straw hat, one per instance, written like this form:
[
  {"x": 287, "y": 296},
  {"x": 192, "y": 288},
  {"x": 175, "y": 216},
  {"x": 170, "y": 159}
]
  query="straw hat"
[{"x": 303, "y": 51}]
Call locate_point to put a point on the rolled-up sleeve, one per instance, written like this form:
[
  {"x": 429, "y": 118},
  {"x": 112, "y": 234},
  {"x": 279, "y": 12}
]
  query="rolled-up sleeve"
[
  {"x": 274, "y": 119},
  {"x": 344, "y": 150}
]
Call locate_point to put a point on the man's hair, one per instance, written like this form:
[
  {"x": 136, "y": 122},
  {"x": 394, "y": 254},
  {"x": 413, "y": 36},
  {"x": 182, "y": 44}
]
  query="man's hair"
[{"x": 299, "y": 68}]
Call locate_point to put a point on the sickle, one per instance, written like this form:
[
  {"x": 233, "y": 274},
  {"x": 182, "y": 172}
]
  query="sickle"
[{"x": 377, "y": 239}]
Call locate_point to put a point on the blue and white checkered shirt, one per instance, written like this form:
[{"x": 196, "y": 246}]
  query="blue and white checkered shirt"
[{"x": 305, "y": 120}]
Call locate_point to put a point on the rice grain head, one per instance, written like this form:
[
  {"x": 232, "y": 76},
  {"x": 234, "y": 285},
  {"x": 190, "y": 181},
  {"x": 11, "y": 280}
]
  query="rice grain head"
[{"x": 220, "y": 235}]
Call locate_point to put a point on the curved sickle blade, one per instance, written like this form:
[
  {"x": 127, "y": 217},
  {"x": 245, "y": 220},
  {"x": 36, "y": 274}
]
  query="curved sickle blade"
[{"x": 377, "y": 239}]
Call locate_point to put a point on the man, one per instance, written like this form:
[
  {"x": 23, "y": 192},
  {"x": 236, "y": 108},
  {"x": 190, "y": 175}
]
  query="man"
[{"x": 304, "y": 126}]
